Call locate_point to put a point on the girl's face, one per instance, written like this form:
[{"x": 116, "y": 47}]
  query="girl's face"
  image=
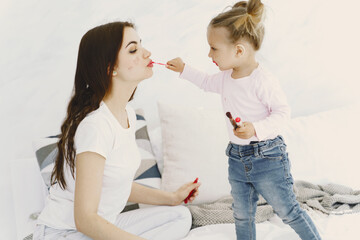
[
  {"x": 133, "y": 59},
  {"x": 222, "y": 51}
]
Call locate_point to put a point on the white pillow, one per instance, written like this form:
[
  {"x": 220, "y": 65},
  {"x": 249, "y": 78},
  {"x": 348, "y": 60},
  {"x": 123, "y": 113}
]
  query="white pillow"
[
  {"x": 156, "y": 144},
  {"x": 194, "y": 141},
  {"x": 29, "y": 192},
  {"x": 323, "y": 147}
]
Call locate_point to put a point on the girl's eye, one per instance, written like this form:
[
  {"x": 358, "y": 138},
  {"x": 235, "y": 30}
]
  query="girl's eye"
[
  {"x": 133, "y": 51},
  {"x": 213, "y": 48}
]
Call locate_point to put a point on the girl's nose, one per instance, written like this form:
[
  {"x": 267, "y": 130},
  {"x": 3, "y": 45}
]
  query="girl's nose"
[{"x": 209, "y": 54}]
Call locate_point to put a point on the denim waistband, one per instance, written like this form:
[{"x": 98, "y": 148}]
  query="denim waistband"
[{"x": 254, "y": 148}]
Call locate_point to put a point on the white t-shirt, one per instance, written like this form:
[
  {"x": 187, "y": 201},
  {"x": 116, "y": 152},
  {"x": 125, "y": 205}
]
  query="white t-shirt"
[
  {"x": 98, "y": 132},
  {"x": 257, "y": 98}
]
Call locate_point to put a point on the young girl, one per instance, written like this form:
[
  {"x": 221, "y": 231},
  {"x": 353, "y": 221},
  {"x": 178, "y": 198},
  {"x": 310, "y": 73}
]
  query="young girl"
[
  {"x": 258, "y": 161},
  {"x": 98, "y": 156}
]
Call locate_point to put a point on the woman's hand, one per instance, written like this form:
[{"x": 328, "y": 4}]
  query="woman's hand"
[
  {"x": 181, "y": 194},
  {"x": 246, "y": 131},
  {"x": 176, "y": 65}
]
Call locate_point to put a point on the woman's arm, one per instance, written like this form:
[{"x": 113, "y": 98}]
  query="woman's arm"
[
  {"x": 88, "y": 184},
  {"x": 146, "y": 195}
]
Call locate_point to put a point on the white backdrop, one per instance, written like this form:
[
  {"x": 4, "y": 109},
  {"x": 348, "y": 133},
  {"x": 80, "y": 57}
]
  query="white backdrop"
[{"x": 312, "y": 46}]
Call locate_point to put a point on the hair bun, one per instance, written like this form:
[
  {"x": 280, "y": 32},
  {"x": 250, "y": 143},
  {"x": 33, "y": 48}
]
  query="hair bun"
[
  {"x": 255, "y": 8},
  {"x": 243, "y": 21},
  {"x": 241, "y": 4}
]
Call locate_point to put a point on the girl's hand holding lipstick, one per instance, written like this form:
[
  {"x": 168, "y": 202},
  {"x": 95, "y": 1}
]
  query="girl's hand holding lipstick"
[
  {"x": 176, "y": 65},
  {"x": 235, "y": 122},
  {"x": 246, "y": 131}
]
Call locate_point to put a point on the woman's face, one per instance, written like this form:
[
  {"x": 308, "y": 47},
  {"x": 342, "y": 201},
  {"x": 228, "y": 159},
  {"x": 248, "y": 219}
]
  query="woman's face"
[{"x": 133, "y": 59}]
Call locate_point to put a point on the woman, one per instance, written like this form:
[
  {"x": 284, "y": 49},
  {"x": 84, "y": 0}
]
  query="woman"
[{"x": 93, "y": 175}]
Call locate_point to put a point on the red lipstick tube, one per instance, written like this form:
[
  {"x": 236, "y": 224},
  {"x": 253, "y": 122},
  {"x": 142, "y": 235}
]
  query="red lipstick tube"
[
  {"x": 238, "y": 122},
  {"x": 232, "y": 121},
  {"x": 191, "y": 193}
]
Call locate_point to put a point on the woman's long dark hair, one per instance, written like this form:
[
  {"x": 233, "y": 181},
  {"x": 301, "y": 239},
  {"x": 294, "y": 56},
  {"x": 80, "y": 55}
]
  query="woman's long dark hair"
[{"x": 97, "y": 56}]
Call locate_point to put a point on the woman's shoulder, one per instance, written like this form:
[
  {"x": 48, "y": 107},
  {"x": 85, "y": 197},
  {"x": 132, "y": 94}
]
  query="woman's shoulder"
[
  {"x": 95, "y": 133},
  {"x": 97, "y": 119}
]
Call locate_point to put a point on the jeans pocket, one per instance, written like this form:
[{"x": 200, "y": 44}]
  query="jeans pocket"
[
  {"x": 276, "y": 153},
  {"x": 228, "y": 149}
]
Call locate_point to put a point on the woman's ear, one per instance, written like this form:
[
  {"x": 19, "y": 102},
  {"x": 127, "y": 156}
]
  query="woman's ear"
[
  {"x": 240, "y": 50},
  {"x": 114, "y": 73}
]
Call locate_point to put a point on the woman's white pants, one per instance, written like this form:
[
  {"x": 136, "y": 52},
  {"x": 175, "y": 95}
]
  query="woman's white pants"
[{"x": 156, "y": 222}]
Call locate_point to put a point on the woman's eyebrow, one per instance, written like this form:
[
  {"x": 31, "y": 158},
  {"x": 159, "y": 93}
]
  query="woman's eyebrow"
[
  {"x": 135, "y": 42},
  {"x": 131, "y": 43}
]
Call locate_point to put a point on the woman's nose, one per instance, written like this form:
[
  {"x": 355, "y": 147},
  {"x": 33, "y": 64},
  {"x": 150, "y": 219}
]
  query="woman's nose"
[
  {"x": 209, "y": 54},
  {"x": 147, "y": 53}
]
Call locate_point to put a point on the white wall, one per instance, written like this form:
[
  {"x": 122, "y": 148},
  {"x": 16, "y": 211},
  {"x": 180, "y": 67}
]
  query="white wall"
[{"x": 312, "y": 46}]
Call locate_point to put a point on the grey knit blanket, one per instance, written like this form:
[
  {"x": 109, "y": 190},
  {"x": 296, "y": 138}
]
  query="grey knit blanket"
[{"x": 328, "y": 199}]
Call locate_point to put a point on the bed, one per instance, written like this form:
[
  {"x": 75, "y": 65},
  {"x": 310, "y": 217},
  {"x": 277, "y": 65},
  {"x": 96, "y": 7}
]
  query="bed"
[
  {"x": 305, "y": 149},
  {"x": 330, "y": 228}
]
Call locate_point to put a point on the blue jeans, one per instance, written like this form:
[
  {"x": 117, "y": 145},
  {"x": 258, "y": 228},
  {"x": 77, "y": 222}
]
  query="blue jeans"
[{"x": 264, "y": 168}]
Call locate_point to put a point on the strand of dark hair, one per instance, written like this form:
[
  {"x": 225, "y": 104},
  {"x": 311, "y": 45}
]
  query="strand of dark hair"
[
  {"x": 96, "y": 59},
  {"x": 76, "y": 112}
]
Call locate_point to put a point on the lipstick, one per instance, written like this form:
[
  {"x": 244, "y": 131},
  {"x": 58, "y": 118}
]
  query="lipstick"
[
  {"x": 232, "y": 121},
  {"x": 152, "y": 62},
  {"x": 238, "y": 121},
  {"x": 160, "y": 63},
  {"x": 191, "y": 193}
]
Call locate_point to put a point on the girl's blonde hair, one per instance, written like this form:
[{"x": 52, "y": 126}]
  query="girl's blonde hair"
[{"x": 243, "y": 21}]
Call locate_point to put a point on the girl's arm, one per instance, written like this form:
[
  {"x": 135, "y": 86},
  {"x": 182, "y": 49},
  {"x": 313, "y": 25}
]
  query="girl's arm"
[
  {"x": 146, "y": 195},
  {"x": 274, "y": 98},
  {"x": 88, "y": 184},
  {"x": 209, "y": 83}
]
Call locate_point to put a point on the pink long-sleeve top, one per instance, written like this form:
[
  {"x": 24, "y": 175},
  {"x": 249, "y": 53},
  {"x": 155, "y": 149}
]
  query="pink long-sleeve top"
[{"x": 257, "y": 98}]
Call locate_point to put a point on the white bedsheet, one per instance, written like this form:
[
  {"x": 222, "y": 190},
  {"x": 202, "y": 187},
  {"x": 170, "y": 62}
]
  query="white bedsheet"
[{"x": 333, "y": 227}]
